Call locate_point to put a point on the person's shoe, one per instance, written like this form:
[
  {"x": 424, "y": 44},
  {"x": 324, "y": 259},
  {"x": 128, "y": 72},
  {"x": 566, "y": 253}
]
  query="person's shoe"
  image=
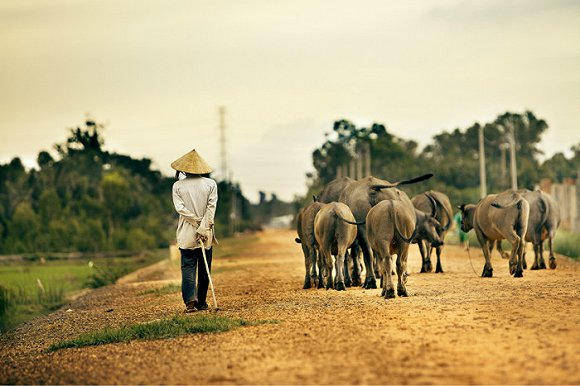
[
  {"x": 190, "y": 307},
  {"x": 201, "y": 307}
]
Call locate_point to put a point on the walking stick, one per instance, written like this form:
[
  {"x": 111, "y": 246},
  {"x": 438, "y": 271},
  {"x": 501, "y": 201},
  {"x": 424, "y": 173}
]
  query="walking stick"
[{"x": 208, "y": 275}]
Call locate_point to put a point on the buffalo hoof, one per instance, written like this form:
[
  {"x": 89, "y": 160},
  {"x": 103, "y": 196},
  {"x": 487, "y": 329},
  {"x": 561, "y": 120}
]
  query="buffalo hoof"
[
  {"x": 534, "y": 267},
  {"x": 487, "y": 272},
  {"x": 402, "y": 292},
  {"x": 553, "y": 263},
  {"x": 383, "y": 292},
  {"x": 389, "y": 293},
  {"x": 519, "y": 273},
  {"x": 348, "y": 282},
  {"x": 542, "y": 264},
  {"x": 370, "y": 283},
  {"x": 320, "y": 283},
  {"x": 307, "y": 283},
  {"x": 356, "y": 281},
  {"x": 427, "y": 267},
  {"x": 524, "y": 263},
  {"x": 340, "y": 286},
  {"x": 439, "y": 269},
  {"x": 329, "y": 285}
]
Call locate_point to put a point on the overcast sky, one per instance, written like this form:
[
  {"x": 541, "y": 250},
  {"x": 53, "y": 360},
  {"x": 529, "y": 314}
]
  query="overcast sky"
[{"x": 157, "y": 71}]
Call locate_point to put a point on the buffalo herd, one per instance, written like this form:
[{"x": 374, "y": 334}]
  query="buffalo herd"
[{"x": 372, "y": 217}]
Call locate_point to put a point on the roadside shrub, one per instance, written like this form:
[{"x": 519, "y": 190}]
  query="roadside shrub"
[
  {"x": 567, "y": 244},
  {"x": 106, "y": 274},
  {"x": 4, "y": 307}
]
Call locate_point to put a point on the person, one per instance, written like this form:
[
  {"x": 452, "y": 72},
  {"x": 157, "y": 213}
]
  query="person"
[
  {"x": 195, "y": 199},
  {"x": 462, "y": 236}
]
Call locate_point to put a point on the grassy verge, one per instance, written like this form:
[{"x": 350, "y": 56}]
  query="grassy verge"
[
  {"x": 567, "y": 244},
  {"x": 159, "y": 329},
  {"x": 33, "y": 288},
  {"x": 165, "y": 290}
]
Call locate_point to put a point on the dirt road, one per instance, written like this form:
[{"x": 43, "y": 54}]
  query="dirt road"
[{"x": 454, "y": 328}]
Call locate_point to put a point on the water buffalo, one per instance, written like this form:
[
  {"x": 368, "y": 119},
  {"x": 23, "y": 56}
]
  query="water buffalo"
[
  {"x": 331, "y": 193},
  {"x": 543, "y": 222},
  {"x": 390, "y": 227},
  {"x": 439, "y": 205},
  {"x": 360, "y": 196},
  {"x": 335, "y": 231},
  {"x": 305, "y": 228},
  {"x": 496, "y": 217}
]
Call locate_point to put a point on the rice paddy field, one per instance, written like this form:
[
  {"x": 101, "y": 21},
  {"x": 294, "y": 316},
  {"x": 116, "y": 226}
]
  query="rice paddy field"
[{"x": 32, "y": 288}]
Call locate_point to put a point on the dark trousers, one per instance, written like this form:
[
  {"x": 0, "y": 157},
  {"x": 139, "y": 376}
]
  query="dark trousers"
[{"x": 192, "y": 263}]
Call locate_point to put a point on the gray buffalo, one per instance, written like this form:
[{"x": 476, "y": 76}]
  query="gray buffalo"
[
  {"x": 390, "y": 227},
  {"x": 335, "y": 231},
  {"x": 360, "y": 196},
  {"x": 305, "y": 228},
  {"x": 543, "y": 222},
  {"x": 331, "y": 193},
  {"x": 439, "y": 206},
  {"x": 496, "y": 217}
]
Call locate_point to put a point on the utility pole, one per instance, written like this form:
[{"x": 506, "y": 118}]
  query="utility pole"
[
  {"x": 359, "y": 162},
  {"x": 503, "y": 147},
  {"x": 226, "y": 175},
  {"x": 512, "y": 142},
  {"x": 223, "y": 151},
  {"x": 482, "y": 182},
  {"x": 368, "y": 160}
]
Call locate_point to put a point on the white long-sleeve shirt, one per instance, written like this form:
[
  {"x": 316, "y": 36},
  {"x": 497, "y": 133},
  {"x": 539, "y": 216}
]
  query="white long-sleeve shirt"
[{"x": 195, "y": 199}]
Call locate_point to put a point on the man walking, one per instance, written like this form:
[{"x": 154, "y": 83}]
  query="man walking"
[{"x": 195, "y": 199}]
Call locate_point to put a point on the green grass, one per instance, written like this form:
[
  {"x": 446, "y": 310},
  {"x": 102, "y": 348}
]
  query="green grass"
[
  {"x": 159, "y": 329},
  {"x": 165, "y": 290},
  {"x": 567, "y": 244},
  {"x": 30, "y": 289}
]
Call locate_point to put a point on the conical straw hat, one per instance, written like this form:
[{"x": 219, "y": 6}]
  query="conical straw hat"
[{"x": 191, "y": 163}]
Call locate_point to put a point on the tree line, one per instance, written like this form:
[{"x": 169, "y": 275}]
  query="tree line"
[
  {"x": 88, "y": 199},
  {"x": 451, "y": 155}
]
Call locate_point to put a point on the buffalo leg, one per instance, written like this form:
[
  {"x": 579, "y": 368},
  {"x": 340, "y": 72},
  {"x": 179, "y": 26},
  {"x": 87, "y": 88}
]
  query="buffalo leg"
[
  {"x": 346, "y": 271},
  {"x": 387, "y": 284},
  {"x": 321, "y": 268},
  {"x": 339, "y": 282},
  {"x": 327, "y": 256},
  {"x": 307, "y": 266},
  {"x": 423, "y": 256},
  {"x": 536, "y": 264},
  {"x": 402, "y": 270},
  {"x": 354, "y": 254},
  {"x": 517, "y": 255},
  {"x": 487, "y": 268},
  {"x": 370, "y": 279},
  {"x": 552, "y": 257},
  {"x": 439, "y": 268},
  {"x": 428, "y": 265}
]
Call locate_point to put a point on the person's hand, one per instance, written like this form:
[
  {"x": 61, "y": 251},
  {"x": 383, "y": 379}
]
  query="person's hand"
[{"x": 201, "y": 237}]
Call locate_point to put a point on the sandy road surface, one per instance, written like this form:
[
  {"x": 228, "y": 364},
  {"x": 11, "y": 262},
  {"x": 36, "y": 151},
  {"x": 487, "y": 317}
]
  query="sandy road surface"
[{"x": 455, "y": 328}]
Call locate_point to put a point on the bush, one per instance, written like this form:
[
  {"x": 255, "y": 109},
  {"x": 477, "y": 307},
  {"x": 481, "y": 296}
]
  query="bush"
[
  {"x": 107, "y": 274},
  {"x": 4, "y": 307}
]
